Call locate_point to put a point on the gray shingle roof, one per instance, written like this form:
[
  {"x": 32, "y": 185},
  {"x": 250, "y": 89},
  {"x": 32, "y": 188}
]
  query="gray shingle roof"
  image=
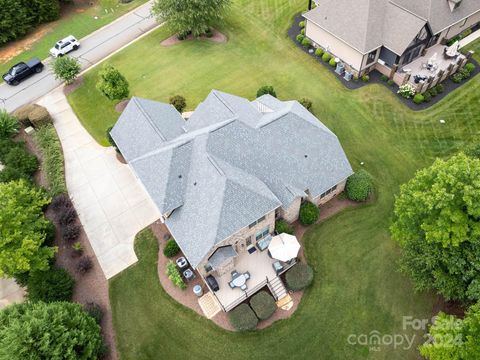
[
  {"x": 368, "y": 24},
  {"x": 233, "y": 165}
]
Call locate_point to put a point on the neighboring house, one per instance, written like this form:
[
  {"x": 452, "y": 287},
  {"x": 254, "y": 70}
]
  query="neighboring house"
[
  {"x": 221, "y": 178},
  {"x": 389, "y": 33}
]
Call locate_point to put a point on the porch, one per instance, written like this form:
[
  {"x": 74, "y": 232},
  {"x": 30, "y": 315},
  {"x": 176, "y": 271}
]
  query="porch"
[{"x": 259, "y": 265}]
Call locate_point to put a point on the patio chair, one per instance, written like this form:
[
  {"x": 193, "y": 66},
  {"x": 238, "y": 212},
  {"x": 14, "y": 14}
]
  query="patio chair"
[
  {"x": 247, "y": 275},
  {"x": 277, "y": 266},
  {"x": 231, "y": 285},
  {"x": 243, "y": 287},
  {"x": 234, "y": 273}
]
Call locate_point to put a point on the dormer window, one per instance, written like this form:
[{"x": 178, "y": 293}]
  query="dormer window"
[{"x": 454, "y": 4}]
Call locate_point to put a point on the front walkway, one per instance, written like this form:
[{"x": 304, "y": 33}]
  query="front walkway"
[
  {"x": 10, "y": 292},
  {"x": 111, "y": 203}
]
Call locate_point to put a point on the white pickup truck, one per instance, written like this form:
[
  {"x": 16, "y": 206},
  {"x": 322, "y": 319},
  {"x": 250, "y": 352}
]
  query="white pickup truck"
[{"x": 64, "y": 46}]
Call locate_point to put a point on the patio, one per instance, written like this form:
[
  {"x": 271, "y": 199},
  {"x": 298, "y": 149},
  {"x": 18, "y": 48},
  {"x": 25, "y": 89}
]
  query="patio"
[
  {"x": 259, "y": 265},
  {"x": 420, "y": 66}
]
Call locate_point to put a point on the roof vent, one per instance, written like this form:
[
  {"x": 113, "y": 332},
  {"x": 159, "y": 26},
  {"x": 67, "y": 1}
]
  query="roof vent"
[
  {"x": 306, "y": 156},
  {"x": 179, "y": 176}
]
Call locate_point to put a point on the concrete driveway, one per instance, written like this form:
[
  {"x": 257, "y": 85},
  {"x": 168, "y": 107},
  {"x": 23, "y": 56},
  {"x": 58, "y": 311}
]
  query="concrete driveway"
[
  {"x": 112, "y": 204},
  {"x": 93, "y": 49}
]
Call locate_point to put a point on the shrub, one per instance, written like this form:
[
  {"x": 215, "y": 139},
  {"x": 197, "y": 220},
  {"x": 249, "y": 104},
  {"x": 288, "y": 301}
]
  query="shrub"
[
  {"x": 110, "y": 139},
  {"x": 50, "y": 231},
  {"x": 178, "y": 103},
  {"x": 243, "y": 318},
  {"x": 306, "y": 42},
  {"x": 384, "y": 78},
  {"x": 457, "y": 78},
  {"x": 21, "y": 160},
  {"x": 8, "y": 125},
  {"x": 418, "y": 99},
  {"x": 439, "y": 88},
  {"x": 406, "y": 90},
  {"x": 52, "y": 164},
  {"x": 209, "y": 33},
  {"x": 470, "y": 67},
  {"x": 365, "y": 78},
  {"x": 332, "y": 62},
  {"x": 302, "y": 31},
  {"x": 61, "y": 202},
  {"x": 95, "y": 311},
  {"x": 174, "y": 275},
  {"x": 306, "y": 103},
  {"x": 300, "y": 38},
  {"x": 309, "y": 213},
  {"x": 67, "y": 216},
  {"x": 66, "y": 68},
  {"x": 301, "y": 24},
  {"x": 266, "y": 89},
  {"x": 84, "y": 265},
  {"x": 54, "y": 284},
  {"x": 263, "y": 305},
  {"x": 39, "y": 116},
  {"x": 299, "y": 277},
  {"x": 390, "y": 82},
  {"x": 427, "y": 96},
  {"x": 70, "y": 233},
  {"x": 22, "y": 114},
  {"x": 359, "y": 186},
  {"x": 11, "y": 174},
  {"x": 465, "y": 73},
  {"x": 433, "y": 91},
  {"x": 171, "y": 248},
  {"x": 318, "y": 52},
  {"x": 473, "y": 150},
  {"x": 6, "y": 145},
  {"x": 112, "y": 83},
  {"x": 281, "y": 226},
  {"x": 77, "y": 248},
  {"x": 326, "y": 57}
]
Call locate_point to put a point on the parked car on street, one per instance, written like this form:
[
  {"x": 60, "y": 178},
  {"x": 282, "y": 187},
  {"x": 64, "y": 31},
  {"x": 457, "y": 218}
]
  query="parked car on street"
[
  {"x": 22, "y": 70},
  {"x": 64, "y": 46}
]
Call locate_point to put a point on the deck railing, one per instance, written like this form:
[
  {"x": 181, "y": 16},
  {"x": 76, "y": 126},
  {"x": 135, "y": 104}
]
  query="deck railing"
[{"x": 245, "y": 295}]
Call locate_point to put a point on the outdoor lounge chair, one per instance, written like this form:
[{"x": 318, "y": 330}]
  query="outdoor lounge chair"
[{"x": 277, "y": 266}]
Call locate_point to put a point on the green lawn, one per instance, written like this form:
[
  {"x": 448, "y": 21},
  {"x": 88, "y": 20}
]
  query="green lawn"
[
  {"x": 79, "y": 23},
  {"x": 357, "y": 287},
  {"x": 475, "y": 46}
]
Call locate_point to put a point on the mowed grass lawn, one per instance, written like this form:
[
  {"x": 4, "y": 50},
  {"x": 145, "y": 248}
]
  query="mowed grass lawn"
[
  {"x": 357, "y": 287},
  {"x": 80, "y": 21}
]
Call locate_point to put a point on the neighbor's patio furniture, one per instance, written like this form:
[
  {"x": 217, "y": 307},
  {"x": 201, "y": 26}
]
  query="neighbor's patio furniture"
[
  {"x": 284, "y": 247},
  {"x": 277, "y": 266},
  {"x": 263, "y": 244}
]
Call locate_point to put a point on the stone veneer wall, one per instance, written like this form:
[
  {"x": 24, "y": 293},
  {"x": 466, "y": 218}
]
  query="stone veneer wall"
[
  {"x": 239, "y": 240},
  {"x": 291, "y": 213},
  {"x": 320, "y": 201}
]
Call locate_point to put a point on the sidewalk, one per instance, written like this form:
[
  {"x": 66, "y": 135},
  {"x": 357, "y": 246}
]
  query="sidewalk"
[
  {"x": 112, "y": 204},
  {"x": 470, "y": 38},
  {"x": 10, "y": 293}
]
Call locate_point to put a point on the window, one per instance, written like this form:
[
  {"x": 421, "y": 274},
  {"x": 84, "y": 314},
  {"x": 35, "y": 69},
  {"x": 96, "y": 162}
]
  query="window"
[
  {"x": 334, "y": 188},
  {"x": 323, "y": 195},
  {"x": 261, "y": 234},
  {"x": 252, "y": 225},
  {"x": 371, "y": 57},
  {"x": 256, "y": 222},
  {"x": 261, "y": 219}
]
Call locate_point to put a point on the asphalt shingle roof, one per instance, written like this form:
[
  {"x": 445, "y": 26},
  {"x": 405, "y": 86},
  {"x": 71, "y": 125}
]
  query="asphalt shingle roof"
[{"x": 231, "y": 164}]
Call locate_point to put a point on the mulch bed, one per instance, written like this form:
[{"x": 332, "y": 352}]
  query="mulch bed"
[
  {"x": 217, "y": 37},
  {"x": 376, "y": 76},
  {"x": 449, "y": 307},
  {"x": 68, "y": 89},
  {"x": 121, "y": 105}
]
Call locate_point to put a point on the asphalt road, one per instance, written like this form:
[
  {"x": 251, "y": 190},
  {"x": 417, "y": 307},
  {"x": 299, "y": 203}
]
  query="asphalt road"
[{"x": 93, "y": 48}]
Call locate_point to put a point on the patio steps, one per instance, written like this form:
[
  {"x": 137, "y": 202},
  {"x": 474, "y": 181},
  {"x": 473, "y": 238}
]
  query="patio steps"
[{"x": 277, "y": 288}]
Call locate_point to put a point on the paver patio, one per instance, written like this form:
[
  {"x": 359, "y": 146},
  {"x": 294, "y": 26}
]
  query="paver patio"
[{"x": 111, "y": 203}]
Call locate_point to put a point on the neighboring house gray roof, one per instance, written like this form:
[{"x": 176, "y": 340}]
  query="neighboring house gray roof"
[
  {"x": 236, "y": 161},
  {"x": 368, "y": 24},
  {"x": 221, "y": 255}
]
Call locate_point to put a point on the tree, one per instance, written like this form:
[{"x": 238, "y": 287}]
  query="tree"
[
  {"x": 190, "y": 16},
  {"x": 22, "y": 229},
  {"x": 66, "y": 68},
  {"x": 112, "y": 83},
  {"x": 266, "y": 89},
  {"x": 436, "y": 223},
  {"x": 58, "y": 330},
  {"x": 452, "y": 338},
  {"x": 51, "y": 285}
]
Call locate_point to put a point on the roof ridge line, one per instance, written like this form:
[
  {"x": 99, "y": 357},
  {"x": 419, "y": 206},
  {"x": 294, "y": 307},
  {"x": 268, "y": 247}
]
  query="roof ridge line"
[
  {"x": 149, "y": 119},
  {"x": 406, "y": 10},
  {"x": 223, "y": 101},
  {"x": 215, "y": 165}
]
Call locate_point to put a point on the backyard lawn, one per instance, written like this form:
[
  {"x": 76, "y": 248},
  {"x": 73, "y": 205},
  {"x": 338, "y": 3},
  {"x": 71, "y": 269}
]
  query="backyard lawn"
[
  {"x": 80, "y": 21},
  {"x": 357, "y": 288}
]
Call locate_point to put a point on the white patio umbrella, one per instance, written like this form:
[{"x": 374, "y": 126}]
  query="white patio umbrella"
[
  {"x": 284, "y": 247},
  {"x": 453, "y": 49}
]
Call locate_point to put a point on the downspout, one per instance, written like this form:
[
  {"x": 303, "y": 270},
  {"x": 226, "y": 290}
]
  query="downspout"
[{"x": 309, "y": 4}]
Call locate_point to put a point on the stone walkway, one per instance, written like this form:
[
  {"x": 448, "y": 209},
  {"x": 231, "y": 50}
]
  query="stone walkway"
[
  {"x": 10, "y": 293},
  {"x": 470, "y": 38},
  {"x": 111, "y": 203}
]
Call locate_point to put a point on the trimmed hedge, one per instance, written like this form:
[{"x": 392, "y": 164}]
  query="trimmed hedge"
[
  {"x": 319, "y": 52},
  {"x": 243, "y": 318},
  {"x": 418, "y": 98},
  {"x": 470, "y": 67},
  {"x": 281, "y": 226},
  {"x": 263, "y": 305},
  {"x": 54, "y": 284},
  {"x": 171, "y": 248},
  {"x": 39, "y": 116},
  {"x": 299, "y": 277},
  {"x": 306, "y": 42},
  {"x": 309, "y": 213},
  {"x": 359, "y": 186},
  {"x": 326, "y": 57}
]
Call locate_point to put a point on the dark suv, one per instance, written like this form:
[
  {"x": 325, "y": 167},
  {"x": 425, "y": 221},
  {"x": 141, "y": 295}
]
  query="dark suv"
[{"x": 21, "y": 71}]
